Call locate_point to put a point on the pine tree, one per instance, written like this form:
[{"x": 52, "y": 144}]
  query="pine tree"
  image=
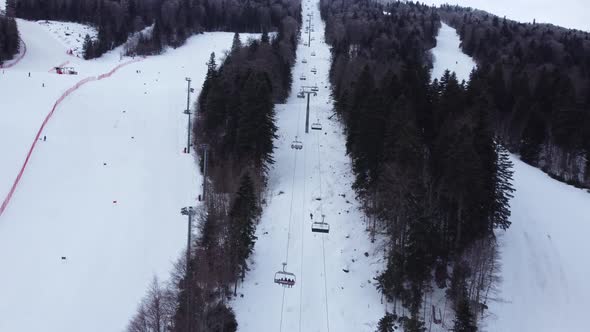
[
  {"x": 387, "y": 323},
  {"x": 256, "y": 128},
  {"x": 88, "y": 48},
  {"x": 464, "y": 320},
  {"x": 236, "y": 43},
  {"x": 11, "y": 8},
  {"x": 243, "y": 215},
  {"x": 503, "y": 188},
  {"x": 265, "y": 39},
  {"x": 209, "y": 80}
]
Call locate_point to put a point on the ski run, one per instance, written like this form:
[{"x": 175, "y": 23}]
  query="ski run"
[{"x": 96, "y": 213}]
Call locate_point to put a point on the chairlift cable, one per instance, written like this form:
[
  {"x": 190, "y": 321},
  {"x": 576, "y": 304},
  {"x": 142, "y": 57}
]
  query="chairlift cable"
[
  {"x": 326, "y": 285},
  {"x": 302, "y": 240},
  {"x": 282, "y": 306},
  {"x": 323, "y": 240}
]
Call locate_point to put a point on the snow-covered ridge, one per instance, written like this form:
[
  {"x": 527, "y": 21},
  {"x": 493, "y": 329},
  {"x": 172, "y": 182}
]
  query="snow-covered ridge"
[{"x": 571, "y": 14}]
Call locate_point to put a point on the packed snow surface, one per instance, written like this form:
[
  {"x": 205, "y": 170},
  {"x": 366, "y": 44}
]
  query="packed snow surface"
[
  {"x": 448, "y": 55},
  {"x": 544, "y": 264},
  {"x": 97, "y": 212},
  {"x": 571, "y": 14},
  {"x": 334, "y": 287}
]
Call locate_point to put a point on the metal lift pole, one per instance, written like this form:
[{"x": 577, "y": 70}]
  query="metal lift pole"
[
  {"x": 188, "y": 112},
  {"x": 307, "y": 114}
]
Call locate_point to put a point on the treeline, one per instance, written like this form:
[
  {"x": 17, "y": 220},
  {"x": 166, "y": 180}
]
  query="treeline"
[
  {"x": 235, "y": 126},
  {"x": 537, "y": 78},
  {"x": 428, "y": 168},
  {"x": 173, "y": 21},
  {"x": 9, "y": 38}
]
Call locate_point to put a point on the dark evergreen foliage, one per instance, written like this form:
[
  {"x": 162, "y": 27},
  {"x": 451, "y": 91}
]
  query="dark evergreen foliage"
[
  {"x": 464, "y": 319},
  {"x": 9, "y": 38},
  {"x": 536, "y": 78},
  {"x": 387, "y": 323},
  {"x": 428, "y": 167},
  {"x": 173, "y": 21},
  {"x": 235, "y": 121}
]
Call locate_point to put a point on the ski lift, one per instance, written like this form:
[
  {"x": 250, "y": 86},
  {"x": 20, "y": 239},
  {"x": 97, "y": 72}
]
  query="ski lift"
[
  {"x": 301, "y": 94},
  {"x": 284, "y": 278},
  {"x": 304, "y": 60},
  {"x": 315, "y": 89},
  {"x": 303, "y": 78},
  {"x": 312, "y": 53},
  {"x": 314, "y": 70},
  {"x": 296, "y": 144},
  {"x": 320, "y": 227},
  {"x": 316, "y": 126}
]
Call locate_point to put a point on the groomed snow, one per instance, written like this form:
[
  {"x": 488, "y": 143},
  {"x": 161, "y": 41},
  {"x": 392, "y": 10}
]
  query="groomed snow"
[
  {"x": 448, "y": 55},
  {"x": 340, "y": 296},
  {"x": 105, "y": 189},
  {"x": 567, "y": 13},
  {"x": 544, "y": 260}
]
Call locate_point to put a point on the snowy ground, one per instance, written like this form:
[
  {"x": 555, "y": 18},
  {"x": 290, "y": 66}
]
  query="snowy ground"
[
  {"x": 448, "y": 55},
  {"x": 71, "y": 35},
  {"x": 544, "y": 252},
  {"x": 325, "y": 297},
  {"x": 567, "y": 13},
  {"x": 105, "y": 189}
]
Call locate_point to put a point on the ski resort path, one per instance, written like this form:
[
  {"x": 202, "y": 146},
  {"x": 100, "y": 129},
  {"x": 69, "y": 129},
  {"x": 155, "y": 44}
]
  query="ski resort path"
[
  {"x": 334, "y": 289},
  {"x": 96, "y": 214}
]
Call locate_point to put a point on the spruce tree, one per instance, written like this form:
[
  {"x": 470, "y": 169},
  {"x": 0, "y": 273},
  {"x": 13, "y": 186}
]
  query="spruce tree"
[
  {"x": 88, "y": 48},
  {"x": 209, "y": 80},
  {"x": 236, "y": 43},
  {"x": 386, "y": 323},
  {"x": 464, "y": 320},
  {"x": 243, "y": 215}
]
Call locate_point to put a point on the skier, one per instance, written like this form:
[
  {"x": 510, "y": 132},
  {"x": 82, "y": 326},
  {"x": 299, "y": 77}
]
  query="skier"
[
  {"x": 44, "y": 138},
  {"x": 311, "y": 215},
  {"x": 29, "y": 74}
]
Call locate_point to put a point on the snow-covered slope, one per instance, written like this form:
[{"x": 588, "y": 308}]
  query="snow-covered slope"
[
  {"x": 71, "y": 35},
  {"x": 544, "y": 257},
  {"x": 543, "y": 253},
  {"x": 335, "y": 288},
  {"x": 567, "y": 13},
  {"x": 448, "y": 55},
  {"x": 104, "y": 190}
]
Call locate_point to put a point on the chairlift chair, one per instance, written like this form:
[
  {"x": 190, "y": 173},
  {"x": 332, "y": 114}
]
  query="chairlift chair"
[
  {"x": 303, "y": 78},
  {"x": 316, "y": 126},
  {"x": 300, "y": 94},
  {"x": 304, "y": 60},
  {"x": 312, "y": 53},
  {"x": 315, "y": 89},
  {"x": 296, "y": 144},
  {"x": 284, "y": 278},
  {"x": 320, "y": 227},
  {"x": 314, "y": 70}
]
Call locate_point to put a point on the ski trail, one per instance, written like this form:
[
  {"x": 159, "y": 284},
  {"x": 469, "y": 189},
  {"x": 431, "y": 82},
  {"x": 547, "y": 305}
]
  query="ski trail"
[
  {"x": 335, "y": 289},
  {"x": 47, "y": 118}
]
